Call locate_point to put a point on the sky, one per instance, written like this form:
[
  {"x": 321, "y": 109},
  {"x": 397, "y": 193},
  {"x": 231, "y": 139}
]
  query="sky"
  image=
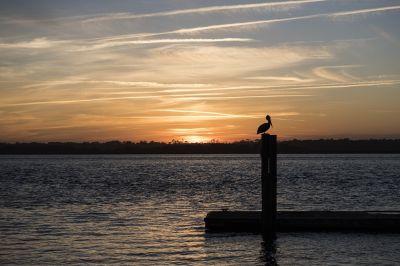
[{"x": 198, "y": 70}]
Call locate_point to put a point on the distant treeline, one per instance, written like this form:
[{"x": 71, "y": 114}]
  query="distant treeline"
[{"x": 176, "y": 147}]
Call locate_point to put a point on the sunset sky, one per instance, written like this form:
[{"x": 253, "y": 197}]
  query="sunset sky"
[{"x": 198, "y": 70}]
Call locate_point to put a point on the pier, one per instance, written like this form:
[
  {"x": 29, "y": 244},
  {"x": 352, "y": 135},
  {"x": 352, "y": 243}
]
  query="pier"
[
  {"x": 268, "y": 221},
  {"x": 292, "y": 221}
]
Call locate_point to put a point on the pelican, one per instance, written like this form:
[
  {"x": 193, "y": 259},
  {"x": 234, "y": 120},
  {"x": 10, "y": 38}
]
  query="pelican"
[{"x": 264, "y": 127}]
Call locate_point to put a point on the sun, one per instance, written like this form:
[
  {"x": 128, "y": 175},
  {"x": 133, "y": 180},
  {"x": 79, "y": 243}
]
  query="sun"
[{"x": 196, "y": 139}]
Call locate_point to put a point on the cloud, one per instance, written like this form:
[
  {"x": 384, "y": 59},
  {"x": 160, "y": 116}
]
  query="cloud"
[
  {"x": 218, "y": 88},
  {"x": 365, "y": 11},
  {"x": 109, "y": 44},
  {"x": 280, "y": 114},
  {"x": 37, "y": 43},
  {"x": 213, "y": 114},
  {"x": 196, "y": 130},
  {"x": 288, "y": 87},
  {"x": 242, "y": 97},
  {"x": 194, "y": 30},
  {"x": 140, "y": 84},
  {"x": 210, "y": 62},
  {"x": 78, "y": 101},
  {"x": 181, "y": 115},
  {"x": 177, "y": 98},
  {"x": 89, "y": 45},
  {"x": 371, "y": 83},
  {"x": 328, "y": 73},
  {"x": 122, "y": 16},
  {"x": 358, "y": 84},
  {"x": 280, "y": 78},
  {"x": 272, "y": 21},
  {"x": 131, "y": 39},
  {"x": 247, "y": 24}
]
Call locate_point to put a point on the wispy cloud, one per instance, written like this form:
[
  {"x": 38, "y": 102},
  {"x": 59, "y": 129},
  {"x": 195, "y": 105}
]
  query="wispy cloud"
[
  {"x": 110, "y": 17},
  {"x": 190, "y": 98},
  {"x": 181, "y": 115},
  {"x": 78, "y": 101},
  {"x": 214, "y": 61},
  {"x": 357, "y": 84},
  {"x": 282, "y": 114},
  {"x": 216, "y": 114},
  {"x": 37, "y": 43},
  {"x": 280, "y": 78},
  {"x": 89, "y": 45},
  {"x": 109, "y": 44},
  {"x": 288, "y": 87},
  {"x": 365, "y": 11},
  {"x": 329, "y": 73},
  {"x": 194, "y": 30},
  {"x": 225, "y": 98},
  {"x": 219, "y": 88},
  {"x": 272, "y": 21},
  {"x": 139, "y": 84},
  {"x": 122, "y": 16},
  {"x": 371, "y": 83},
  {"x": 191, "y": 131},
  {"x": 177, "y": 118},
  {"x": 131, "y": 39}
]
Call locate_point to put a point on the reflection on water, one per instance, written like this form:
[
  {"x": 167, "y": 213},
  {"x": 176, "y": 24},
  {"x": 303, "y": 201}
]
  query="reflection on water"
[
  {"x": 131, "y": 209},
  {"x": 268, "y": 251}
]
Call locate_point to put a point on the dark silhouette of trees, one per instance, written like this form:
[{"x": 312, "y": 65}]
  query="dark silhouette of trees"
[{"x": 214, "y": 147}]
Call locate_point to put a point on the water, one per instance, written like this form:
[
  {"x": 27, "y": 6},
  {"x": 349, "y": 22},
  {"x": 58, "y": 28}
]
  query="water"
[{"x": 149, "y": 209}]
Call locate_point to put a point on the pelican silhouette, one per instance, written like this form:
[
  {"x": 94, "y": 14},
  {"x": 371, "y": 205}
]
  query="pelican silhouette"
[{"x": 264, "y": 127}]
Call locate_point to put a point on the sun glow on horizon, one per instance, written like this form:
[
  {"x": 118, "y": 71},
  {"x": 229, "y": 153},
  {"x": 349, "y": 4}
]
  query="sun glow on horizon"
[{"x": 196, "y": 139}]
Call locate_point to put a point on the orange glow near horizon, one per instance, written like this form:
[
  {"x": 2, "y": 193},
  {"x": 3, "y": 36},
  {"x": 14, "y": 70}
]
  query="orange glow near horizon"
[{"x": 196, "y": 139}]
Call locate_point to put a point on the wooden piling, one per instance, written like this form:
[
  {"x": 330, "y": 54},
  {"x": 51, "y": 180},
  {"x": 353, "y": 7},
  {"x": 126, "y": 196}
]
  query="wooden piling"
[{"x": 268, "y": 183}]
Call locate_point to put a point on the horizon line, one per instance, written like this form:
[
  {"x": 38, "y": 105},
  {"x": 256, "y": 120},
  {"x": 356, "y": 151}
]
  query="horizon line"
[{"x": 212, "y": 141}]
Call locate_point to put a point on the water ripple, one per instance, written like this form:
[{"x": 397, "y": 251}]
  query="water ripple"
[{"x": 149, "y": 209}]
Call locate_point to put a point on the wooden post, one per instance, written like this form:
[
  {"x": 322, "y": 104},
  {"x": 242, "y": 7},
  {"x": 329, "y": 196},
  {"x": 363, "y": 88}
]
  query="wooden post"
[{"x": 268, "y": 181}]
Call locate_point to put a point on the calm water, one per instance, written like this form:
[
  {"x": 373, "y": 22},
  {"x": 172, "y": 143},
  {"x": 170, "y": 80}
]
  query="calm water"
[{"x": 149, "y": 209}]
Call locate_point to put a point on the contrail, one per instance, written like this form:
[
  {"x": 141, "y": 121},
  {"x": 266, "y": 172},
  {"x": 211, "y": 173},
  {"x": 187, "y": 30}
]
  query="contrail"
[
  {"x": 250, "y": 23},
  {"x": 122, "y": 16},
  {"x": 271, "y": 21},
  {"x": 78, "y": 101},
  {"x": 109, "y": 44}
]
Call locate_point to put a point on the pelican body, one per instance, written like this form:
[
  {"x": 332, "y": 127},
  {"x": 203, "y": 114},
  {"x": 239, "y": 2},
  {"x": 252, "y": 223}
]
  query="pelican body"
[{"x": 264, "y": 127}]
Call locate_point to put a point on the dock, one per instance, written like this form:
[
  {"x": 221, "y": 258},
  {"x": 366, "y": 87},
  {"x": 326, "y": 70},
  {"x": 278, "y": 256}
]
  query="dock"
[
  {"x": 269, "y": 220},
  {"x": 313, "y": 221}
]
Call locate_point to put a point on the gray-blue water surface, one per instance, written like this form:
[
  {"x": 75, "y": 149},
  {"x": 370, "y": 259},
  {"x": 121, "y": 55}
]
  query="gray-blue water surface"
[{"x": 149, "y": 209}]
